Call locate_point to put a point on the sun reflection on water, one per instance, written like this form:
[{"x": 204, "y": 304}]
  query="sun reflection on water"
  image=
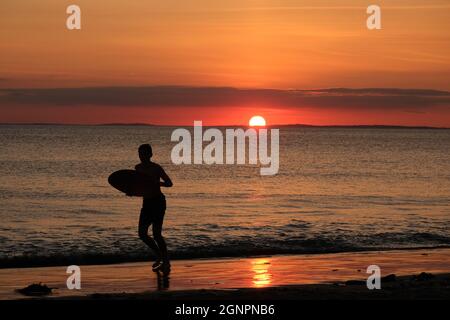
[{"x": 261, "y": 277}]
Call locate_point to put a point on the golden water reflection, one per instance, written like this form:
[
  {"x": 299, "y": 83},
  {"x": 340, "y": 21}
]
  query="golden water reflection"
[{"x": 261, "y": 277}]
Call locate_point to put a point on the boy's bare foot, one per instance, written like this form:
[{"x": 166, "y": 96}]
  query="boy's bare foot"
[
  {"x": 163, "y": 266},
  {"x": 157, "y": 265}
]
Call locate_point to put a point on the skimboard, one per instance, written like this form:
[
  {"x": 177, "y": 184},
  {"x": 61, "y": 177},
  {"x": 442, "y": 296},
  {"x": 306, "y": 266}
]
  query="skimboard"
[{"x": 133, "y": 183}]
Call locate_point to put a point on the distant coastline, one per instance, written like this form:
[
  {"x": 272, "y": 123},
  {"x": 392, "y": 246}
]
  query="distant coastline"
[{"x": 294, "y": 125}]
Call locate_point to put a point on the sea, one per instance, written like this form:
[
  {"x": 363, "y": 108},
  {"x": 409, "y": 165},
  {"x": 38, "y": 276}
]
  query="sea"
[{"x": 338, "y": 189}]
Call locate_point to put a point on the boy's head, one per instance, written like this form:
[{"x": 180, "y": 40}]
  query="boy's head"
[{"x": 145, "y": 152}]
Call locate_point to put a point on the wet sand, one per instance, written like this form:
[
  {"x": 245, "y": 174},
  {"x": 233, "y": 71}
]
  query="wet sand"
[
  {"x": 403, "y": 288},
  {"x": 283, "y": 277}
]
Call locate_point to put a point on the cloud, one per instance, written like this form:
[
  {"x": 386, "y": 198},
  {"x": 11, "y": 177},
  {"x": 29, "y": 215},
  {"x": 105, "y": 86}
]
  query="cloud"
[{"x": 179, "y": 96}]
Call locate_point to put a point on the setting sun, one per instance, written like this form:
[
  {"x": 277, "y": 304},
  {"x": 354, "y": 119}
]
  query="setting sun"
[{"x": 257, "y": 121}]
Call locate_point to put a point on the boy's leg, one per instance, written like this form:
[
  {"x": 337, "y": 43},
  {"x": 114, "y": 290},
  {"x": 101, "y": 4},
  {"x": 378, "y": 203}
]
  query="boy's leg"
[
  {"x": 144, "y": 224},
  {"x": 160, "y": 210},
  {"x": 159, "y": 239}
]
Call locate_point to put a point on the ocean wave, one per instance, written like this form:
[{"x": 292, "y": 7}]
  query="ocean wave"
[{"x": 203, "y": 246}]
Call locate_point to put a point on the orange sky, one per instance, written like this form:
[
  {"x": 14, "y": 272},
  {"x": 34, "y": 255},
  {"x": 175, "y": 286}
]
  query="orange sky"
[{"x": 282, "y": 44}]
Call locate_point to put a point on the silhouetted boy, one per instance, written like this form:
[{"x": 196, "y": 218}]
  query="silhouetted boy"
[{"x": 154, "y": 208}]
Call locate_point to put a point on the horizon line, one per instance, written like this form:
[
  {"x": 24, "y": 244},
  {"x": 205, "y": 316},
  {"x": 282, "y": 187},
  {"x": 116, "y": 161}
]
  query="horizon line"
[{"x": 137, "y": 124}]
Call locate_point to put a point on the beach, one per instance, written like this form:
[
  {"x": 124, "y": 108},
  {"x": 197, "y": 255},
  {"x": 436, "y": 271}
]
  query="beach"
[{"x": 314, "y": 276}]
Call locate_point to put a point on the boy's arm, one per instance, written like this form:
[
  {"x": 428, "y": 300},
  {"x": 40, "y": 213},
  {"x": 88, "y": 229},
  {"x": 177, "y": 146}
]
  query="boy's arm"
[{"x": 166, "y": 179}]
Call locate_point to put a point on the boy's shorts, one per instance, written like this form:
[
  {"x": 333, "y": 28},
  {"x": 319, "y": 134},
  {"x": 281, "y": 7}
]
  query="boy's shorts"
[{"x": 153, "y": 210}]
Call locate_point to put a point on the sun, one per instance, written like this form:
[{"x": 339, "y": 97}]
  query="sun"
[{"x": 257, "y": 121}]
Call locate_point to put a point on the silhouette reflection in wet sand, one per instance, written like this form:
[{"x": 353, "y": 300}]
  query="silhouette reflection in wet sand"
[{"x": 163, "y": 281}]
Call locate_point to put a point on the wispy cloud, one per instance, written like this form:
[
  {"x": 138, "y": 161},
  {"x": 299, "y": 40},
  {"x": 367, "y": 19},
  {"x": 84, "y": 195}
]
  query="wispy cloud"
[{"x": 179, "y": 96}]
